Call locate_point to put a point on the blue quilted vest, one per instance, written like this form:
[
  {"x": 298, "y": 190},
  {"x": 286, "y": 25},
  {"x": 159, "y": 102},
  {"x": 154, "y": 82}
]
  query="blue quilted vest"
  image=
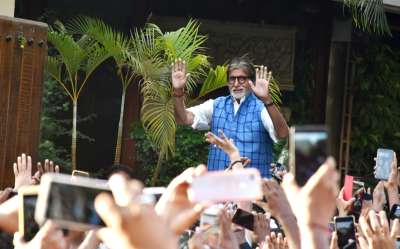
[{"x": 247, "y": 131}]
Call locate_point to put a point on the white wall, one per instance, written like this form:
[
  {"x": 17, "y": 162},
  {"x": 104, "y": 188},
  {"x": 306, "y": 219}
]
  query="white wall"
[{"x": 7, "y": 7}]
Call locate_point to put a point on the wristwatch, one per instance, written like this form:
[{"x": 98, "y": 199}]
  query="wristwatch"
[{"x": 269, "y": 104}]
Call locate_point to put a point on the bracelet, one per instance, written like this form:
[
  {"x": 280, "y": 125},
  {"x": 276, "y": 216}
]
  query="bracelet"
[
  {"x": 235, "y": 162},
  {"x": 179, "y": 94}
]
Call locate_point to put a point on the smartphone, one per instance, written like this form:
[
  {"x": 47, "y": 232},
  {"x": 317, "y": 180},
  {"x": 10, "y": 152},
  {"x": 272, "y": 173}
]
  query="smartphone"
[
  {"x": 348, "y": 187},
  {"x": 345, "y": 231},
  {"x": 308, "y": 150},
  {"x": 80, "y": 173},
  {"x": 384, "y": 159},
  {"x": 243, "y": 219},
  {"x": 69, "y": 201},
  {"x": 221, "y": 186},
  {"x": 395, "y": 212},
  {"x": 27, "y": 225}
]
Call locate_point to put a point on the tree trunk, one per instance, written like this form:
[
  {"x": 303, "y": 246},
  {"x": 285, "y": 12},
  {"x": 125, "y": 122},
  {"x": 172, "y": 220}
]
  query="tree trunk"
[
  {"x": 157, "y": 172},
  {"x": 118, "y": 146},
  {"x": 73, "y": 144}
]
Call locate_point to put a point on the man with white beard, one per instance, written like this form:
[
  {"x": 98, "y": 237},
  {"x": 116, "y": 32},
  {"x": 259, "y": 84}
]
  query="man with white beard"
[{"x": 248, "y": 115}]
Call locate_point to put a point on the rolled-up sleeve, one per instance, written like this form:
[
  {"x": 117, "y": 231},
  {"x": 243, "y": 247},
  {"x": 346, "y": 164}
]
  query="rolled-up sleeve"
[
  {"x": 202, "y": 115},
  {"x": 268, "y": 125}
]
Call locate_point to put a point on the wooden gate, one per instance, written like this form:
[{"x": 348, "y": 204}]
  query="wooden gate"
[{"x": 23, "y": 47}]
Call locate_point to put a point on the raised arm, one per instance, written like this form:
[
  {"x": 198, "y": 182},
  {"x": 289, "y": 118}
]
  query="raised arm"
[
  {"x": 179, "y": 79},
  {"x": 261, "y": 90}
]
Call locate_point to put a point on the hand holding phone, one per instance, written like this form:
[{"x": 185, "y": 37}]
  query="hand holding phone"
[{"x": 308, "y": 150}]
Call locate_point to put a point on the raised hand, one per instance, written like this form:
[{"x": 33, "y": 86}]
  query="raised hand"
[
  {"x": 342, "y": 205},
  {"x": 375, "y": 233},
  {"x": 48, "y": 167},
  {"x": 178, "y": 74},
  {"x": 22, "y": 171},
  {"x": 224, "y": 143},
  {"x": 261, "y": 87},
  {"x": 378, "y": 197}
]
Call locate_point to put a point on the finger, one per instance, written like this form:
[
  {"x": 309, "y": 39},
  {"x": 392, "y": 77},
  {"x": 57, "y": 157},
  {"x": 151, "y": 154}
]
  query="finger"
[
  {"x": 184, "y": 67},
  {"x": 326, "y": 174},
  {"x": 186, "y": 219},
  {"x": 265, "y": 72},
  {"x": 23, "y": 162},
  {"x": 47, "y": 229},
  {"x": 40, "y": 168},
  {"x": 18, "y": 240},
  {"x": 257, "y": 73},
  {"x": 384, "y": 223},
  {"x": 108, "y": 210},
  {"x": 29, "y": 165},
  {"x": 57, "y": 169},
  {"x": 374, "y": 221},
  {"x": 15, "y": 169},
  {"x": 365, "y": 228},
  {"x": 269, "y": 77},
  {"x": 363, "y": 242},
  {"x": 123, "y": 191},
  {"x": 51, "y": 166},
  {"x": 19, "y": 164},
  {"x": 46, "y": 165}
]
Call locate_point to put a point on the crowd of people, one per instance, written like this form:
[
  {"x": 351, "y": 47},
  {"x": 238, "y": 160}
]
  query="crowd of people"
[{"x": 243, "y": 128}]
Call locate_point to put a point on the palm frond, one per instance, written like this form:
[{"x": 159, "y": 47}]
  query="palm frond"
[
  {"x": 369, "y": 15},
  {"x": 115, "y": 42},
  {"x": 158, "y": 119}
]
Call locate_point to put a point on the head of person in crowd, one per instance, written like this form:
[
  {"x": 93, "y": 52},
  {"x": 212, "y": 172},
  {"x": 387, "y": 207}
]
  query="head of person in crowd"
[{"x": 123, "y": 169}]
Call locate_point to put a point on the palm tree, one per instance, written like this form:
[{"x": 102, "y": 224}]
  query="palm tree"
[
  {"x": 369, "y": 15},
  {"x": 117, "y": 45},
  {"x": 72, "y": 66}
]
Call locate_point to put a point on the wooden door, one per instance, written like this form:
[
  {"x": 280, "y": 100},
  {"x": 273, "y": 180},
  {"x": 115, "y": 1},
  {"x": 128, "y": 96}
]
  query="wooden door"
[{"x": 23, "y": 48}]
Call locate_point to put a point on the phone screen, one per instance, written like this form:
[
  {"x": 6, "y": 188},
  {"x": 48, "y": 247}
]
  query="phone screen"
[
  {"x": 384, "y": 160},
  {"x": 395, "y": 212},
  {"x": 73, "y": 203},
  {"x": 310, "y": 152},
  {"x": 345, "y": 232},
  {"x": 243, "y": 219},
  {"x": 30, "y": 225}
]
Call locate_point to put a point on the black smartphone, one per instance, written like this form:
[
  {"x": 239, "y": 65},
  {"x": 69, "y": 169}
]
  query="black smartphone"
[
  {"x": 243, "y": 219},
  {"x": 308, "y": 150},
  {"x": 345, "y": 231},
  {"x": 395, "y": 212},
  {"x": 27, "y": 225}
]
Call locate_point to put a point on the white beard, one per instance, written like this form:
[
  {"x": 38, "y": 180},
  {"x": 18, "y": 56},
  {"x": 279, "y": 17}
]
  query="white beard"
[{"x": 240, "y": 95}]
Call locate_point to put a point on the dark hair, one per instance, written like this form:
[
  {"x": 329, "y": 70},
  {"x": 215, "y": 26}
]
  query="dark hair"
[
  {"x": 119, "y": 168},
  {"x": 244, "y": 64}
]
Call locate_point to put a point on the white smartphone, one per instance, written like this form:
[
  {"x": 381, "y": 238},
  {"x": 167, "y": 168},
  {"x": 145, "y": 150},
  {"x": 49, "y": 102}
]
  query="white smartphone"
[
  {"x": 384, "y": 159},
  {"x": 221, "y": 186},
  {"x": 69, "y": 201}
]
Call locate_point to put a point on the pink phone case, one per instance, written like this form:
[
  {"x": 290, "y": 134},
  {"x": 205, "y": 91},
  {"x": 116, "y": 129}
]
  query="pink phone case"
[
  {"x": 348, "y": 187},
  {"x": 220, "y": 186}
]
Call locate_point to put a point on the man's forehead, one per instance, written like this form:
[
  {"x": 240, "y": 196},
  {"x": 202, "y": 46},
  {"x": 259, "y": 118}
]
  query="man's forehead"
[{"x": 237, "y": 72}]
